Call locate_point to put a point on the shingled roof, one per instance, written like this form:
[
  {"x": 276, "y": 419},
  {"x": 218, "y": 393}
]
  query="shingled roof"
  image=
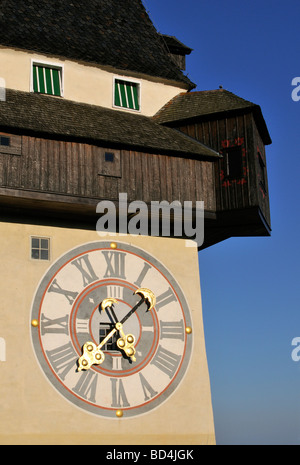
[
  {"x": 116, "y": 33},
  {"x": 49, "y": 116},
  {"x": 211, "y": 103}
]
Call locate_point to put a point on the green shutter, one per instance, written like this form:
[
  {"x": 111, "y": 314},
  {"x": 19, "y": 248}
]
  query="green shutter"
[
  {"x": 117, "y": 94},
  {"x": 46, "y": 80},
  {"x": 126, "y": 94},
  {"x": 41, "y": 79},
  {"x": 123, "y": 95},
  {"x": 56, "y": 82},
  {"x": 48, "y": 86},
  {"x": 129, "y": 93},
  {"x": 136, "y": 97},
  {"x": 35, "y": 81}
]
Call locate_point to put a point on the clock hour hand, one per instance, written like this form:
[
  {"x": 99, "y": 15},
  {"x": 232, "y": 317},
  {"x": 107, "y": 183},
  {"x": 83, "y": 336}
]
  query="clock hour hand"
[
  {"x": 125, "y": 343},
  {"x": 108, "y": 304},
  {"x": 91, "y": 354}
]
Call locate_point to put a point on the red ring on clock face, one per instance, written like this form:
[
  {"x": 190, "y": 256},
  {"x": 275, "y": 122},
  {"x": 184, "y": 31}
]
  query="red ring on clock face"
[{"x": 120, "y": 366}]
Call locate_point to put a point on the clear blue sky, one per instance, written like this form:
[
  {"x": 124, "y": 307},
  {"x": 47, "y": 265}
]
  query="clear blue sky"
[{"x": 250, "y": 286}]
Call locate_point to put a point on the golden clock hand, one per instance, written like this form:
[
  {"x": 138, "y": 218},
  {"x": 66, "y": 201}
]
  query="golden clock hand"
[
  {"x": 93, "y": 355},
  {"x": 108, "y": 303},
  {"x": 147, "y": 295},
  {"x": 126, "y": 343}
]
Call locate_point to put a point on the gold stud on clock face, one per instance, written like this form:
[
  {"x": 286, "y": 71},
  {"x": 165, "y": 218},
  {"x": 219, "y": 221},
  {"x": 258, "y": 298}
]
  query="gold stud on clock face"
[{"x": 130, "y": 367}]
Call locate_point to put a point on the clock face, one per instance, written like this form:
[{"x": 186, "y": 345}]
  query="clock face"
[{"x": 67, "y": 312}]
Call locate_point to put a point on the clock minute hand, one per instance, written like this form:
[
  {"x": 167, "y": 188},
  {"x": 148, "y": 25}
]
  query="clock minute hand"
[{"x": 147, "y": 295}]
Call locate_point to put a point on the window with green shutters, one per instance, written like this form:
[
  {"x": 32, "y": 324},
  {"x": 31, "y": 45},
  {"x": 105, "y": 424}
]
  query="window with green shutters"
[
  {"x": 47, "y": 79},
  {"x": 127, "y": 94}
]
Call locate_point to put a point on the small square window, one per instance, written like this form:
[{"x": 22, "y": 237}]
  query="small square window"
[
  {"x": 109, "y": 163},
  {"x": 40, "y": 248},
  {"x": 109, "y": 156},
  {"x": 127, "y": 94},
  {"x": 11, "y": 144},
  {"x": 5, "y": 141},
  {"x": 47, "y": 79}
]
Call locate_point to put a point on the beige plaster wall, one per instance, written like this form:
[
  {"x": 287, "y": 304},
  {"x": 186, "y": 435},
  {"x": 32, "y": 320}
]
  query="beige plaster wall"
[
  {"x": 33, "y": 412},
  {"x": 82, "y": 83}
]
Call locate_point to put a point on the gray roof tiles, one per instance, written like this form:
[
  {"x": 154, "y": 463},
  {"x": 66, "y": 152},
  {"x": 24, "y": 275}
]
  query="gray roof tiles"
[
  {"x": 112, "y": 33},
  {"x": 55, "y": 117},
  {"x": 208, "y": 104}
]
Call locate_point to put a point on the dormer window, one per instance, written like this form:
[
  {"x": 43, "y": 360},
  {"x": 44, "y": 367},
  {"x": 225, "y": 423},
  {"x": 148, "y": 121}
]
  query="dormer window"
[
  {"x": 127, "y": 94},
  {"x": 47, "y": 79}
]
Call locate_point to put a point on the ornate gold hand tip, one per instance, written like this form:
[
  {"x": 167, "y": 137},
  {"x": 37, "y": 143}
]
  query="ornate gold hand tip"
[
  {"x": 108, "y": 303},
  {"x": 148, "y": 295}
]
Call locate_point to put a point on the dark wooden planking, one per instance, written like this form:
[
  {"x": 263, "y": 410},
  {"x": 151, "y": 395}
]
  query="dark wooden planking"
[
  {"x": 79, "y": 170},
  {"x": 263, "y": 195},
  {"x": 230, "y": 131}
]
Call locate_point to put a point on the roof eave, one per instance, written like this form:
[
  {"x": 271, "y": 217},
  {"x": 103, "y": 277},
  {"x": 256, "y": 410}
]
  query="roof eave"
[{"x": 255, "y": 109}]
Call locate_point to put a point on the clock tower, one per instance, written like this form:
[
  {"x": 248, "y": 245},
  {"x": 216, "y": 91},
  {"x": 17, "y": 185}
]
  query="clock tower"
[{"x": 101, "y": 335}]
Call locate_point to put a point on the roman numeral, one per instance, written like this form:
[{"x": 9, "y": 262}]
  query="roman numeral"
[
  {"x": 82, "y": 326},
  {"x": 165, "y": 299},
  {"x": 172, "y": 330},
  {"x": 166, "y": 361},
  {"x": 119, "y": 398},
  {"x": 87, "y": 386},
  {"x": 57, "y": 326},
  {"x": 84, "y": 266},
  {"x": 115, "y": 264},
  {"x": 62, "y": 359},
  {"x": 115, "y": 292},
  {"x": 146, "y": 387},
  {"x": 142, "y": 275},
  {"x": 70, "y": 295}
]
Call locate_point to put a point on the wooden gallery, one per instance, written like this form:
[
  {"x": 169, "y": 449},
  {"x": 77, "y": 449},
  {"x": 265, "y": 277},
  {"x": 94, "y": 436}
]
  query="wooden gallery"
[{"x": 101, "y": 337}]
